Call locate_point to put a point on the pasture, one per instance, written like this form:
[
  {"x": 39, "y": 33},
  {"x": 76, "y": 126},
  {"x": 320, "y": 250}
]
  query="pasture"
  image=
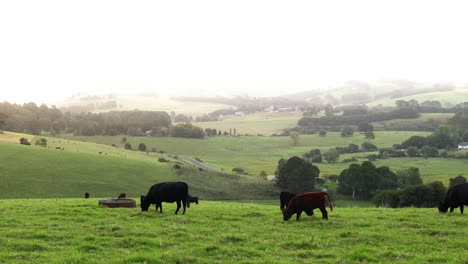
[
  {"x": 262, "y": 153},
  {"x": 37, "y": 172},
  {"x": 79, "y": 231},
  {"x": 447, "y": 98},
  {"x": 149, "y": 103},
  {"x": 258, "y": 123}
]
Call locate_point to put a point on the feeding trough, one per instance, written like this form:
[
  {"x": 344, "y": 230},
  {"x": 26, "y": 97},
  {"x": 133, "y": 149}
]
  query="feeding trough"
[{"x": 115, "y": 203}]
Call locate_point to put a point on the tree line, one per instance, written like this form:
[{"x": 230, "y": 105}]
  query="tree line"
[
  {"x": 32, "y": 119},
  {"x": 366, "y": 181}
]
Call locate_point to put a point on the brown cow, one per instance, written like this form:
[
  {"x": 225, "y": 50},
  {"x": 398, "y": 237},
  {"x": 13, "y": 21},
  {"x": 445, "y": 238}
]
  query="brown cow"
[
  {"x": 122, "y": 196},
  {"x": 307, "y": 202}
]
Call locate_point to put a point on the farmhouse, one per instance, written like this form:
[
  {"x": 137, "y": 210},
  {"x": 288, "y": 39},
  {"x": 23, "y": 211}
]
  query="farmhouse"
[{"x": 463, "y": 145}]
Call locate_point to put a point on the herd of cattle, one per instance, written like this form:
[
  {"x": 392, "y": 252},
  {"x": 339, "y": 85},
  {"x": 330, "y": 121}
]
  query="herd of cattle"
[{"x": 290, "y": 203}]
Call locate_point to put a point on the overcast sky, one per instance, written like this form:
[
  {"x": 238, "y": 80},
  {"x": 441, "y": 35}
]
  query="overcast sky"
[{"x": 53, "y": 49}]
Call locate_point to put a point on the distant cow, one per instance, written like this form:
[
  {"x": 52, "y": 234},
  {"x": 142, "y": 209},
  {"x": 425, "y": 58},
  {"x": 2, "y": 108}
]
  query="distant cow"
[
  {"x": 285, "y": 197},
  {"x": 168, "y": 192},
  {"x": 307, "y": 202},
  {"x": 121, "y": 196},
  {"x": 86, "y": 195},
  {"x": 456, "y": 196},
  {"x": 191, "y": 199}
]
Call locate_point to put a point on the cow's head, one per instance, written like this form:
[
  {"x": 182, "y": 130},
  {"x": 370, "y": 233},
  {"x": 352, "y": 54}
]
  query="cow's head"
[
  {"x": 144, "y": 204},
  {"x": 443, "y": 208},
  {"x": 286, "y": 214}
]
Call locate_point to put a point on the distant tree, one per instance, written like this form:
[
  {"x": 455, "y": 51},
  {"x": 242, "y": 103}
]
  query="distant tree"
[
  {"x": 465, "y": 135},
  {"x": 235, "y": 132},
  {"x": 295, "y": 138},
  {"x": 142, "y": 147},
  {"x": 313, "y": 156},
  {"x": 370, "y": 135},
  {"x": 297, "y": 175},
  {"x": 412, "y": 151},
  {"x": 367, "y": 146},
  {"x": 415, "y": 141},
  {"x": 263, "y": 174},
  {"x": 225, "y": 133},
  {"x": 331, "y": 156},
  {"x": 365, "y": 127},
  {"x": 323, "y": 132},
  {"x": 409, "y": 176},
  {"x": 238, "y": 170},
  {"x": 230, "y": 131},
  {"x": 457, "y": 180},
  {"x": 41, "y": 142},
  {"x": 347, "y": 131},
  {"x": 124, "y": 139},
  {"x": 329, "y": 111},
  {"x": 128, "y": 146},
  {"x": 427, "y": 151}
]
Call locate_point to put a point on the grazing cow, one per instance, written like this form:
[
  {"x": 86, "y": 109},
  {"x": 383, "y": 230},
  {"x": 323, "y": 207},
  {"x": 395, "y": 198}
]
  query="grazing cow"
[
  {"x": 307, "y": 202},
  {"x": 456, "y": 196},
  {"x": 285, "y": 197},
  {"x": 191, "y": 199},
  {"x": 86, "y": 195},
  {"x": 121, "y": 196},
  {"x": 168, "y": 192}
]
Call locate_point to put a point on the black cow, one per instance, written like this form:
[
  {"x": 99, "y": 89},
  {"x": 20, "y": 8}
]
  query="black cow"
[
  {"x": 456, "y": 196},
  {"x": 191, "y": 199},
  {"x": 285, "y": 197},
  {"x": 86, "y": 195},
  {"x": 168, "y": 192}
]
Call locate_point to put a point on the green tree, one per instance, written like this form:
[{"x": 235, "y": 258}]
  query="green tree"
[
  {"x": 297, "y": 175},
  {"x": 347, "y": 131},
  {"x": 128, "y": 146},
  {"x": 331, "y": 156},
  {"x": 412, "y": 151},
  {"x": 408, "y": 177},
  {"x": 369, "y": 135},
  {"x": 427, "y": 151},
  {"x": 295, "y": 138},
  {"x": 142, "y": 147},
  {"x": 323, "y": 132}
]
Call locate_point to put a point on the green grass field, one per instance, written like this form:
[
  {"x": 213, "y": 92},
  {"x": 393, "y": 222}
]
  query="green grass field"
[
  {"x": 33, "y": 171},
  {"x": 405, "y": 122},
  {"x": 257, "y": 123},
  {"x": 262, "y": 153},
  {"x": 79, "y": 231}
]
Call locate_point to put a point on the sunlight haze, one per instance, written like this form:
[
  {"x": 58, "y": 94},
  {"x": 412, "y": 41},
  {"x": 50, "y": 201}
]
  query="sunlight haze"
[{"x": 50, "y": 50}]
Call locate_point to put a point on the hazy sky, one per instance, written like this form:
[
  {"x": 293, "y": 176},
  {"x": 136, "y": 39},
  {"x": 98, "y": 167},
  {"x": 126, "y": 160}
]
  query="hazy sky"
[{"x": 52, "y": 49}]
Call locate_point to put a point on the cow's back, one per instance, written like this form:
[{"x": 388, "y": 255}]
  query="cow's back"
[
  {"x": 170, "y": 191},
  {"x": 459, "y": 194}
]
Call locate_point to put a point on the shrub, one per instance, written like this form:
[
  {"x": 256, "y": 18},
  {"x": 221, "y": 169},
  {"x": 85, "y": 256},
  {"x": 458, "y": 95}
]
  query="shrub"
[
  {"x": 177, "y": 166},
  {"x": 142, "y": 147},
  {"x": 367, "y": 146},
  {"x": 238, "y": 170},
  {"x": 163, "y": 160},
  {"x": 24, "y": 141},
  {"x": 128, "y": 146},
  {"x": 388, "y": 199}
]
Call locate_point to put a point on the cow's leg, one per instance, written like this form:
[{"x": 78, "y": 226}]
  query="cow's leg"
[
  {"x": 451, "y": 209},
  {"x": 159, "y": 205},
  {"x": 324, "y": 213},
  {"x": 309, "y": 212},
  {"x": 461, "y": 209},
  {"x": 178, "y": 207},
  {"x": 298, "y": 215},
  {"x": 184, "y": 203}
]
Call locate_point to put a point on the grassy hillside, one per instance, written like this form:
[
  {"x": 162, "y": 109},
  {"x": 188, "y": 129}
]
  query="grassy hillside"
[
  {"x": 79, "y": 231},
  {"x": 148, "y": 103},
  {"x": 32, "y": 171},
  {"x": 262, "y": 153},
  {"x": 447, "y": 98},
  {"x": 435, "y": 118},
  {"x": 257, "y": 123}
]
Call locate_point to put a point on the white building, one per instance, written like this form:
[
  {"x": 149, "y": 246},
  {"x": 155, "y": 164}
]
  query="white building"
[{"x": 463, "y": 145}]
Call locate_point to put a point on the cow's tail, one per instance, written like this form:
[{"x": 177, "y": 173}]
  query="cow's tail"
[{"x": 330, "y": 201}]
